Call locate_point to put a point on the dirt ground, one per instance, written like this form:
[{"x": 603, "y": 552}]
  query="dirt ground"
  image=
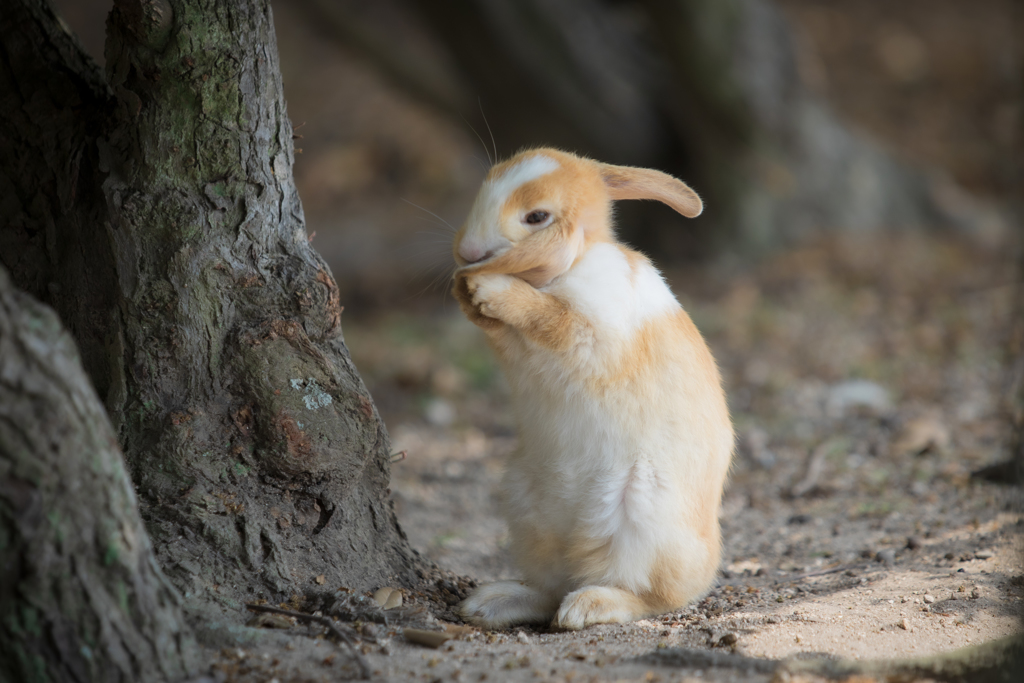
[{"x": 866, "y": 378}]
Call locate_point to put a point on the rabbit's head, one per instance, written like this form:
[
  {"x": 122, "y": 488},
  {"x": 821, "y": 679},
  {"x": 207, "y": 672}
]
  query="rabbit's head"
[{"x": 538, "y": 212}]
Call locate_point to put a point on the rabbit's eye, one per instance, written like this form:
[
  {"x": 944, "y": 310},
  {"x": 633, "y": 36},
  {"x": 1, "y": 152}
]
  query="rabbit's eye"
[{"x": 537, "y": 217}]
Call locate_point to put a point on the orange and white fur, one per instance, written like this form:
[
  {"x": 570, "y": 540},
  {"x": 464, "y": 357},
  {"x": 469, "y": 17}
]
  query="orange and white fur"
[{"x": 625, "y": 440}]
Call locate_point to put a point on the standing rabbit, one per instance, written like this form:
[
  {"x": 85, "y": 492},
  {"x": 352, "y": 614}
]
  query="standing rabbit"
[{"x": 624, "y": 435}]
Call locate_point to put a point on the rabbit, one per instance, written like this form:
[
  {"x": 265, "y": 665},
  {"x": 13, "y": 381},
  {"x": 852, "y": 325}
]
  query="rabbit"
[{"x": 625, "y": 439}]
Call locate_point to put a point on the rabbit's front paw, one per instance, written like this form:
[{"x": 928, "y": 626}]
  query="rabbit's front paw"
[
  {"x": 487, "y": 292},
  {"x": 502, "y": 604}
]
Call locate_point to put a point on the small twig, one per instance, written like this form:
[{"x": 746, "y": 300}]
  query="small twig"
[
  {"x": 399, "y": 456},
  {"x": 327, "y": 622},
  {"x": 823, "y": 572}
]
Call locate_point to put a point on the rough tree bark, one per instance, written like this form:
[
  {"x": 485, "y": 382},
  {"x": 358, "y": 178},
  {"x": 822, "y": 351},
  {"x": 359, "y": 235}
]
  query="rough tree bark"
[
  {"x": 710, "y": 90},
  {"x": 155, "y": 209},
  {"x": 81, "y": 595}
]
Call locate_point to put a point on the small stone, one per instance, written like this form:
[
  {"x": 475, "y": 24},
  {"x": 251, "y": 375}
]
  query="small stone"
[
  {"x": 439, "y": 412},
  {"x": 727, "y": 640},
  {"x": 914, "y": 542},
  {"x": 857, "y": 394},
  {"x": 949, "y": 556},
  {"x": 975, "y": 593},
  {"x": 523, "y": 638},
  {"x": 929, "y": 599},
  {"x": 904, "y": 624},
  {"x": 984, "y": 554}
]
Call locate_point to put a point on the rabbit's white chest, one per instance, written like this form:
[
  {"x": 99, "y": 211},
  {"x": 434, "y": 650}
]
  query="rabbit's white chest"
[{"x": 616, "y": 295}]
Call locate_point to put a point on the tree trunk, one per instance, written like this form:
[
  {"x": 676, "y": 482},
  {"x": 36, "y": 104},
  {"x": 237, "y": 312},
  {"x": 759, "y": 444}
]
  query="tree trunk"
[
  {"x": 81, "y": 595},
  {"x": 159, "y": 215}
]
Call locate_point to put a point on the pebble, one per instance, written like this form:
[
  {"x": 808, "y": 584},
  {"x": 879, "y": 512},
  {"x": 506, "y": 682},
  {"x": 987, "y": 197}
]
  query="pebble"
[
  {"x": 929, "y": 599},
  {"x": 857, "y": 394},
  {"x": 914, "y": 542},
  {"x": 523, "y": 638},
  {"x": 439, "y": 412},
  {"x": 904, "y": 624},
  {"x": 727, "y": 640},
  {"x": 984, "y": 554}
]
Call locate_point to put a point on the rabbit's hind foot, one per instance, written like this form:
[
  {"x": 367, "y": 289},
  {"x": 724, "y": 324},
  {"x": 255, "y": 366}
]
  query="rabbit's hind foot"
[
  {"x": 599, "y": 605},
  {"x": 506, "y": 603}
]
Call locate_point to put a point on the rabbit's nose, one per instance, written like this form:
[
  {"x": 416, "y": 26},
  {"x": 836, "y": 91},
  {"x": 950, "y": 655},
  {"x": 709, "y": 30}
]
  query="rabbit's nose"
[{"x": 474, "y": 254}]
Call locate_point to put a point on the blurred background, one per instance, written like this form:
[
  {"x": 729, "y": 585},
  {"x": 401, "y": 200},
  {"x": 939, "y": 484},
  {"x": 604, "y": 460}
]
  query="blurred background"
[
  {"x": 862, "y": 163},
  {"x": 791, "y": 117}
]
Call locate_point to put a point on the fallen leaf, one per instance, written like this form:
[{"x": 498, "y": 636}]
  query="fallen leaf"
[{"x": 434, "y": 639}]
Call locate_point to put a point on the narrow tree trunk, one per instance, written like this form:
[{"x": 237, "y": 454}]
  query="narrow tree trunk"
[
  {"x": 260, "y": 458},
  {"x": 81, "y": 595},
  {"x": 778, "y": 163}
]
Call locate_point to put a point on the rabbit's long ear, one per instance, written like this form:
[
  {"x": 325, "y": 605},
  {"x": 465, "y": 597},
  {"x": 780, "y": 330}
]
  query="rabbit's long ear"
[{"x": 628, "y": 182}]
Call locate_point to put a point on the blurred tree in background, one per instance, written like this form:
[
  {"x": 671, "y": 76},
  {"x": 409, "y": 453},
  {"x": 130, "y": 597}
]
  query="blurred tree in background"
[{"x": 707, "y": 89}]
